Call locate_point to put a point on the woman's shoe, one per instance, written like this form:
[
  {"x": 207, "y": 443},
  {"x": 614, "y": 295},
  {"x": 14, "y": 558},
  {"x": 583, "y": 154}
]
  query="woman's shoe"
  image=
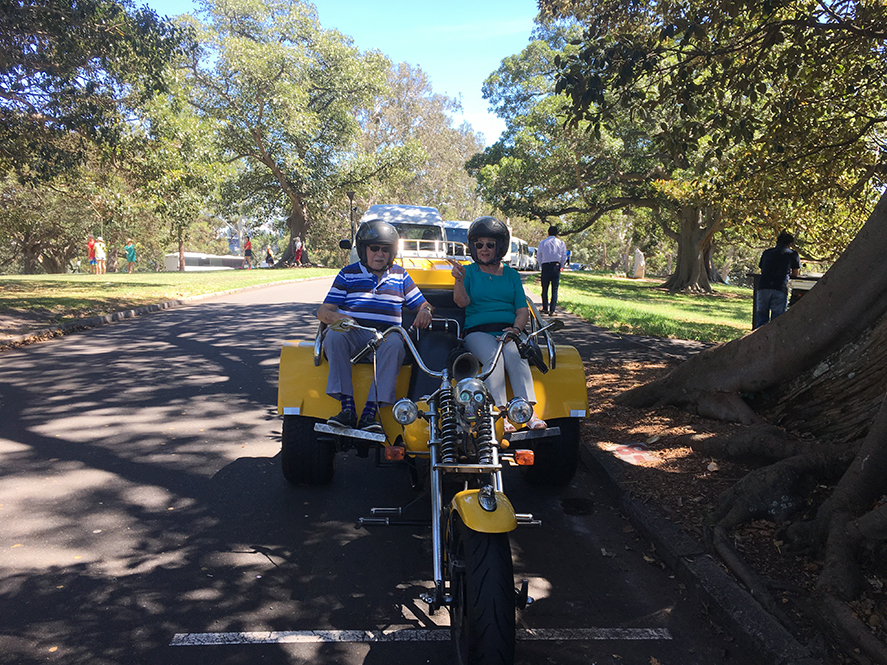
[
  {"x": 536, "y": 423},
  {"x": 509, "y": 428}
]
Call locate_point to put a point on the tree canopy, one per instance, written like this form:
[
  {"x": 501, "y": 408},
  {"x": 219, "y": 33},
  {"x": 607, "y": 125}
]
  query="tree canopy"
[{"x": 69, "y": 71}]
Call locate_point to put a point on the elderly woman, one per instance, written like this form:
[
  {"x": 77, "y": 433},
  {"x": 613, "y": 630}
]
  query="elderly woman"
[{"x": 494, "y": 301}]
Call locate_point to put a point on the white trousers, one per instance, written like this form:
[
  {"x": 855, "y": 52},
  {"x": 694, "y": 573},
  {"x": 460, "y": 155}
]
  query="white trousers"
[{"x": 483, "y": 345}]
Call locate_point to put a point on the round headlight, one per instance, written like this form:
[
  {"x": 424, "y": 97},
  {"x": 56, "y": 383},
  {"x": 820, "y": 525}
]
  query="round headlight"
[
  {"x": 405, "y": 411},
  {"x": 519, "y": 410},
  {"x": 468, "y": 390}
]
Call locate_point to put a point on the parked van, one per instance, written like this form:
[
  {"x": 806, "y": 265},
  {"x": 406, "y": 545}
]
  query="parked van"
[{"x": 519, "y": 257}]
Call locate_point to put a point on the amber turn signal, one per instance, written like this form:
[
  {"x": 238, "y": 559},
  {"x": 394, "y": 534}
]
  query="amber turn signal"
[
  {"x": 524, "y": 457},
  {"x": 396, "y": 454}
]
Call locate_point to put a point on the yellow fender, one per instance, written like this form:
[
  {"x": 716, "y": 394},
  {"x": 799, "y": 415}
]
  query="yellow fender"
[{"x": 501, "y": 520}]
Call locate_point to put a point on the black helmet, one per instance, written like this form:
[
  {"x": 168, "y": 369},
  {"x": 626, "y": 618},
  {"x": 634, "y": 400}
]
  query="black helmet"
[
  {"x": 489, "y": 227},
  {"x": 376, "y": 232}
]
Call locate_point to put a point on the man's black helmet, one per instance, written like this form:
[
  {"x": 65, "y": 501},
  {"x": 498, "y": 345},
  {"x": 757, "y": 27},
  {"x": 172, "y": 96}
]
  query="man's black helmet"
[
  {"x": 376, "y": 232},
  {"x": 489, "y": 227}
]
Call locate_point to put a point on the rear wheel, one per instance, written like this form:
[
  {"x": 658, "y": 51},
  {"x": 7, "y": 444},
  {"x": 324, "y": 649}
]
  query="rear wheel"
[
  {"x": 556, "y": 459},
  {"x": 307, "y": 457},
  {"x": 483, "y": 598}
]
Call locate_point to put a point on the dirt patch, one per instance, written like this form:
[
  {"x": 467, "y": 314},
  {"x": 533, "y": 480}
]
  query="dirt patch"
[{"x": 685, "y": 485}]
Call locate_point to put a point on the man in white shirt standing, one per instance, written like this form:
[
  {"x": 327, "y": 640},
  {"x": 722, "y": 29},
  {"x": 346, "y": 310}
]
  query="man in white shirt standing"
[{"x": 552, "y": 256}]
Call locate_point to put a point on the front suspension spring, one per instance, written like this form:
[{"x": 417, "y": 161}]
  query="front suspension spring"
[
  {"x": 484, "y": 440},
  {"x": 449, "y": 435}
]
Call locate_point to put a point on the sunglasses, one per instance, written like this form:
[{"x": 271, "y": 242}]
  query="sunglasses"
[
  {"x": 379, "y": 248},
  {"x": 488, "y": 245}
]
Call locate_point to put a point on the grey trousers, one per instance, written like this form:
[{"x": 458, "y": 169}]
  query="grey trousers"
[
  {"x": 340, "y": 346},
  {"x": 483, "y": 345}
]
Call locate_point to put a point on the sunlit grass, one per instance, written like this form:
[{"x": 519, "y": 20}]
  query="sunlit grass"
[
  {"x": 60, "y": 298},
  {"x": 642, "y": 307}
]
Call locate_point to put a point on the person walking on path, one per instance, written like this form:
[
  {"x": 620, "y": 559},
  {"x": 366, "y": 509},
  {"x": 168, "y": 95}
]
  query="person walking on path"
[
  {"x": 247, "y": 254},
  {"x": 778, "y": 265},
  {"x": 130, "y": 249},
  {"x": 371, "y": 292},
  {"x": 101, "y": 255},
  {"x": 552, "y": 256},
  {"x": 90, "y": 248}
]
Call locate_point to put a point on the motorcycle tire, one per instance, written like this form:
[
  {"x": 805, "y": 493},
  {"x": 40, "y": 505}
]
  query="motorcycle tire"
[
  {"x": 556, "y": 459},
  {"x": 306, "y": 457},
  {"x": 482, "y": 612}
]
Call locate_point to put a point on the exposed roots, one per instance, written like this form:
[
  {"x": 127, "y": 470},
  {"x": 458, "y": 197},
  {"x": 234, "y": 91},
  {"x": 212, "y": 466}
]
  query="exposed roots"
[
  {"x": 765, "y": 444},
  {"x": 778, "y": 491}
]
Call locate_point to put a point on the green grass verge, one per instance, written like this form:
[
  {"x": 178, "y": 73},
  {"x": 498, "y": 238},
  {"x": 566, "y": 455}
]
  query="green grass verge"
[
  {"x": 56, "y": 299},
  {"x": 641, "y": 307}
]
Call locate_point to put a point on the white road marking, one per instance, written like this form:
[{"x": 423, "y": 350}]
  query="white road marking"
[{"x": 407, "y": 635}]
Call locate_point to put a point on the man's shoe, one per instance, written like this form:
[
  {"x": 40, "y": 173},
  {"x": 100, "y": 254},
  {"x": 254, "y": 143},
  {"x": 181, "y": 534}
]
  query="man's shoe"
[
  {"x": 370, "y": 425},
  {"x": 344, "y": 419}
]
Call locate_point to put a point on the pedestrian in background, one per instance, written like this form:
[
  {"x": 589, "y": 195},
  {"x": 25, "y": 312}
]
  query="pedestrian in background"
[
  {"x": 778, "y": 265},
  {"x": 130, "y": 249},
  {"x": 297, "y": 251},
  {"x": 247, "y": 254},
  {"x": 90, "y": 248},
  {"x": 101, "y": 256},
  {"x": 552, "y": 256}
]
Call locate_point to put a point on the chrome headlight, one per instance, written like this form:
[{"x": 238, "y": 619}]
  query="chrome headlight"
[
  {"x": 470, "y": 392},
  {"x": 405, "y": 411},
  {"x": 519, "y": 410}
]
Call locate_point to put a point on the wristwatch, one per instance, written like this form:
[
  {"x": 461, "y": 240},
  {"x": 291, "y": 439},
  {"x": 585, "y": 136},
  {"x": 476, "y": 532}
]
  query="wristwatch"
[{"x": 428, "y": 308}]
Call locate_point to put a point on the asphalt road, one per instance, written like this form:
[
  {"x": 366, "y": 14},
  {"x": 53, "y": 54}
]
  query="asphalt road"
[{"x": 145, "y": 519}]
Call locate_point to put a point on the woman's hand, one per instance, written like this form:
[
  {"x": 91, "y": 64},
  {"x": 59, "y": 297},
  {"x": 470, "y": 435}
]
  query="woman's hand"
[{"x": 458, "y": 271}]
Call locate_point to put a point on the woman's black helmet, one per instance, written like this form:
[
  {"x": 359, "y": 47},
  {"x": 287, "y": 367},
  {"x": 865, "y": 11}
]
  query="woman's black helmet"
[
  {"x": 376, "y": 232},
  {"x": 489, "y": 227}
]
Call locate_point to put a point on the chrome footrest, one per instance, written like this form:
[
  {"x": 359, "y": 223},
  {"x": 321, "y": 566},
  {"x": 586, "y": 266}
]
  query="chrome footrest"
[
  {"x": 350, "y": 433},
  {"x": 527, "y": 519}
]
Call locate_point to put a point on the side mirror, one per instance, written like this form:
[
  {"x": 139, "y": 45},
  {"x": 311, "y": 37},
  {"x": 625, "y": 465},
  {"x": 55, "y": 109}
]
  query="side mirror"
[
  {"x": 555, "y": 324},
  {"x": 344, "y": 244}
]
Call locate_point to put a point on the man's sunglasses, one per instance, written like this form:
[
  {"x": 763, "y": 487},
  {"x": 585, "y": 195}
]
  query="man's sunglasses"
[
  {"x": 488, "y": 245},
  {"x": 380, "y": 248}
]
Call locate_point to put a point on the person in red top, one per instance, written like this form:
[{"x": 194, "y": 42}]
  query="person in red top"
[
  {"x": 248, "y": 254},
  {"x": 90, "y": 246}
]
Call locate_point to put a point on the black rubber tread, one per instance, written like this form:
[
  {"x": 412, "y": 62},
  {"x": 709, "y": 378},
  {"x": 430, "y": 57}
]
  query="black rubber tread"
[
  {"x": 557, "y": 459},
  {"x": 306, "y": 458},
  {"x": 483, "y": 623}
]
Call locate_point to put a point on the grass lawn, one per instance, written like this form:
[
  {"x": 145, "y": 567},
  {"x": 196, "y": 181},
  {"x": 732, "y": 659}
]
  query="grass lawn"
[
  {"x": 623, "y": 305},
  {"x": 55, "y": 299},
  {"x": 640, "y": 307}
]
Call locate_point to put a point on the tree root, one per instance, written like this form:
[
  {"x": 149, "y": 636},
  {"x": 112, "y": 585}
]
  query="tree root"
[
  {"x": 763, "y": 443},
  {"x": 840, "y": 620},
  {"x": 777, "y": 491},
  {"x": 720, "y": 542}
]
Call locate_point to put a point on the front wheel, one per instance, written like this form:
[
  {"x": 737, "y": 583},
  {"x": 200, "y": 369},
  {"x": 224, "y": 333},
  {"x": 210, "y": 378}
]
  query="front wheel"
[
  {"x": 483, "y": 597},
  {"x": 306, "y": 457},
  {"x": 556, "y": 459}
]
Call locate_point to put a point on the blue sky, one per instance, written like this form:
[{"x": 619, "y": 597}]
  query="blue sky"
[{"x": 457, "y": 43}]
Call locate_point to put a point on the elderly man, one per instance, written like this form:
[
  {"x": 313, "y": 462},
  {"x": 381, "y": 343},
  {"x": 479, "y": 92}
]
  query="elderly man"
[{"x": 371, "y": 292}]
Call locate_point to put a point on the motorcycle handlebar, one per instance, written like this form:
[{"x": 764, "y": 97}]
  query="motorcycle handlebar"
[{"x": 372, "y": 345}]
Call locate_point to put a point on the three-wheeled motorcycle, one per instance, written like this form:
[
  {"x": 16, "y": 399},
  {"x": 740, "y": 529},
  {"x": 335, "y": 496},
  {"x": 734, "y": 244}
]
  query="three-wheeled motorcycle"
[{"x": 448, "y": 432}]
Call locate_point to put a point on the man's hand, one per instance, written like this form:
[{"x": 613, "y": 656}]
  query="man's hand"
[
  {"x": 423, "y": 318},
  {"x": 342, "y": 325}
]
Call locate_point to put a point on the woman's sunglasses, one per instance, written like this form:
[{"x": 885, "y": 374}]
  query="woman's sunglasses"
[
  {"x": 380, "y": 248},
  {"x": 488, "y": 245}
]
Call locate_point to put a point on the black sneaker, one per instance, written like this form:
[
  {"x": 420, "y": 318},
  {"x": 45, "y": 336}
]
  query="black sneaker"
[
  {"x": 370, "y": 425},
  {"x": 344, "y": 419}
]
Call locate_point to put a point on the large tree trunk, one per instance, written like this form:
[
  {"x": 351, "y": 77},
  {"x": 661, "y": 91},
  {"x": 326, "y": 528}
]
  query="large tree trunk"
[
  {"x": 698, "y": 226},
  {"x": 297, "y": 223}
]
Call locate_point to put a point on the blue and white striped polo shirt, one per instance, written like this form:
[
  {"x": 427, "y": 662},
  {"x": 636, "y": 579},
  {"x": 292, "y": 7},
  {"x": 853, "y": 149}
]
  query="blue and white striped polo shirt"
[{"x": 373, "y": 300}]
